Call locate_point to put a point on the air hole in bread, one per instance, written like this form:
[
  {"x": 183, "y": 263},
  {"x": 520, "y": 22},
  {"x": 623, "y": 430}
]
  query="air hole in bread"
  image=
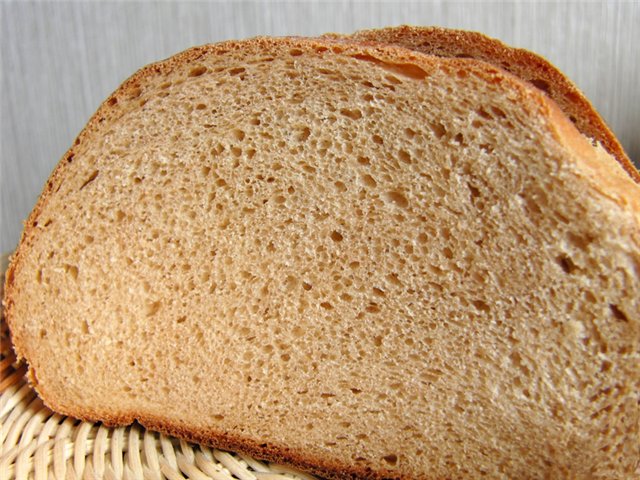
[
  {"x": 135, "y": 92},
  {"x": 397, "y": 198},
  {"x": 408, "y": 70},
  {"x": 336, "y": 236},
  {"x": 590, "y": 297},
  {"x": 605, "y": 366},
  {"x": 236, "y": 151},
  {"x": 391, "y": 459},
  {"x": 474, "y": 192},
  {"x": 566, "y": 263},
  {"x": 580, "y": 240},
  {"x": 378, "y": 292},
  {"x": 531, "y": 206},
  {"x": 362, "y": 160},
  {"x": 90, "y": 179},
  {"x": 340, "y": 186},
  {"x": 152, "y": 308},
  {"x": 238, "y": 134},
  {"x": 618, "y": 314},
  {"x": 71, "y": 270},
  {"x": 404, "y": 156},
  {"x": 498, "y": 111},
  {"x": 393, "y": 79},
  {"x": 353, "y": 114},
  {"x": 541, "y": 84},
  {"x": 303, "y": 134},
  {"x": 438, "y": 129},
  {"x": 484, "y": 114},
  {"x": 481, "y": 305},
  {"x": 197, "y": 71},
  {"x": 486, "y": 147},
  {"x": 410, "y": 133},
  {"x": 373, "y": 308}
]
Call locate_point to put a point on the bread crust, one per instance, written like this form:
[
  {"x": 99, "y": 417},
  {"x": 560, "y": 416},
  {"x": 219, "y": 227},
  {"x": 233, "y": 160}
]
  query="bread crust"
[
  {"x": 532, "y": 99},
  {"x": 279, "y": 454},
  {"x": 524, "y": 64}
]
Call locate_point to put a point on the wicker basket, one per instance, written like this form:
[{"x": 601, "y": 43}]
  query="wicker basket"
[{"x": 36, "y": 443}]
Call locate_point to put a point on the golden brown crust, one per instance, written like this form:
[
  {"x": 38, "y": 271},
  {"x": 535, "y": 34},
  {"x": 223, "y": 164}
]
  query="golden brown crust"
[
  {"x": 531, "y": 99},
  {"x": 522, "y": 63}
]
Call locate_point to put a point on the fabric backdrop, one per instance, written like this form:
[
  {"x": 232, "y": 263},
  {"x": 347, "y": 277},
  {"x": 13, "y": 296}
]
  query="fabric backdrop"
[{"x": 59, "y": 60}]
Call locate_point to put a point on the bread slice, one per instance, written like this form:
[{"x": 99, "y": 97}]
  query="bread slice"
[
  {"x": 533, "y": 68},
  {"x": 356, "y": 259}
]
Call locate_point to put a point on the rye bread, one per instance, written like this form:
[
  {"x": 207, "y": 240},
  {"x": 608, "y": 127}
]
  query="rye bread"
[{"x": 356, "y": 259}]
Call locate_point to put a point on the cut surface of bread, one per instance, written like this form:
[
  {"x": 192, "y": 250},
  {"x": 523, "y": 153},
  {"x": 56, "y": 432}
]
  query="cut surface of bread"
[
  {"x": 357, "y": 259},
  {"x": 522, "y": 63}
]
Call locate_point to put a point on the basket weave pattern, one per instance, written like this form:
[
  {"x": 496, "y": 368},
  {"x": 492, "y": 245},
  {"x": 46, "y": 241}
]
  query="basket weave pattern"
[{"x": 36, "y": 443}]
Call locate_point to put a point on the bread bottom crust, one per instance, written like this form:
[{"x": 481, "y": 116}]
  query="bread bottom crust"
[{"x": 224, "y": 441}]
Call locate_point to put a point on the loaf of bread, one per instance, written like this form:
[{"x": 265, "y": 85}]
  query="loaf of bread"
[{"x": 345, "y": 255}]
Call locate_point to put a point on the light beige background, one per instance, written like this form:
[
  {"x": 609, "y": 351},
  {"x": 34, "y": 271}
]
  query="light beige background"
[{"x": 60, "y": 60}]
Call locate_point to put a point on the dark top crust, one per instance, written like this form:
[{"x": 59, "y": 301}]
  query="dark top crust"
[{"x": 519, "y": 62}]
